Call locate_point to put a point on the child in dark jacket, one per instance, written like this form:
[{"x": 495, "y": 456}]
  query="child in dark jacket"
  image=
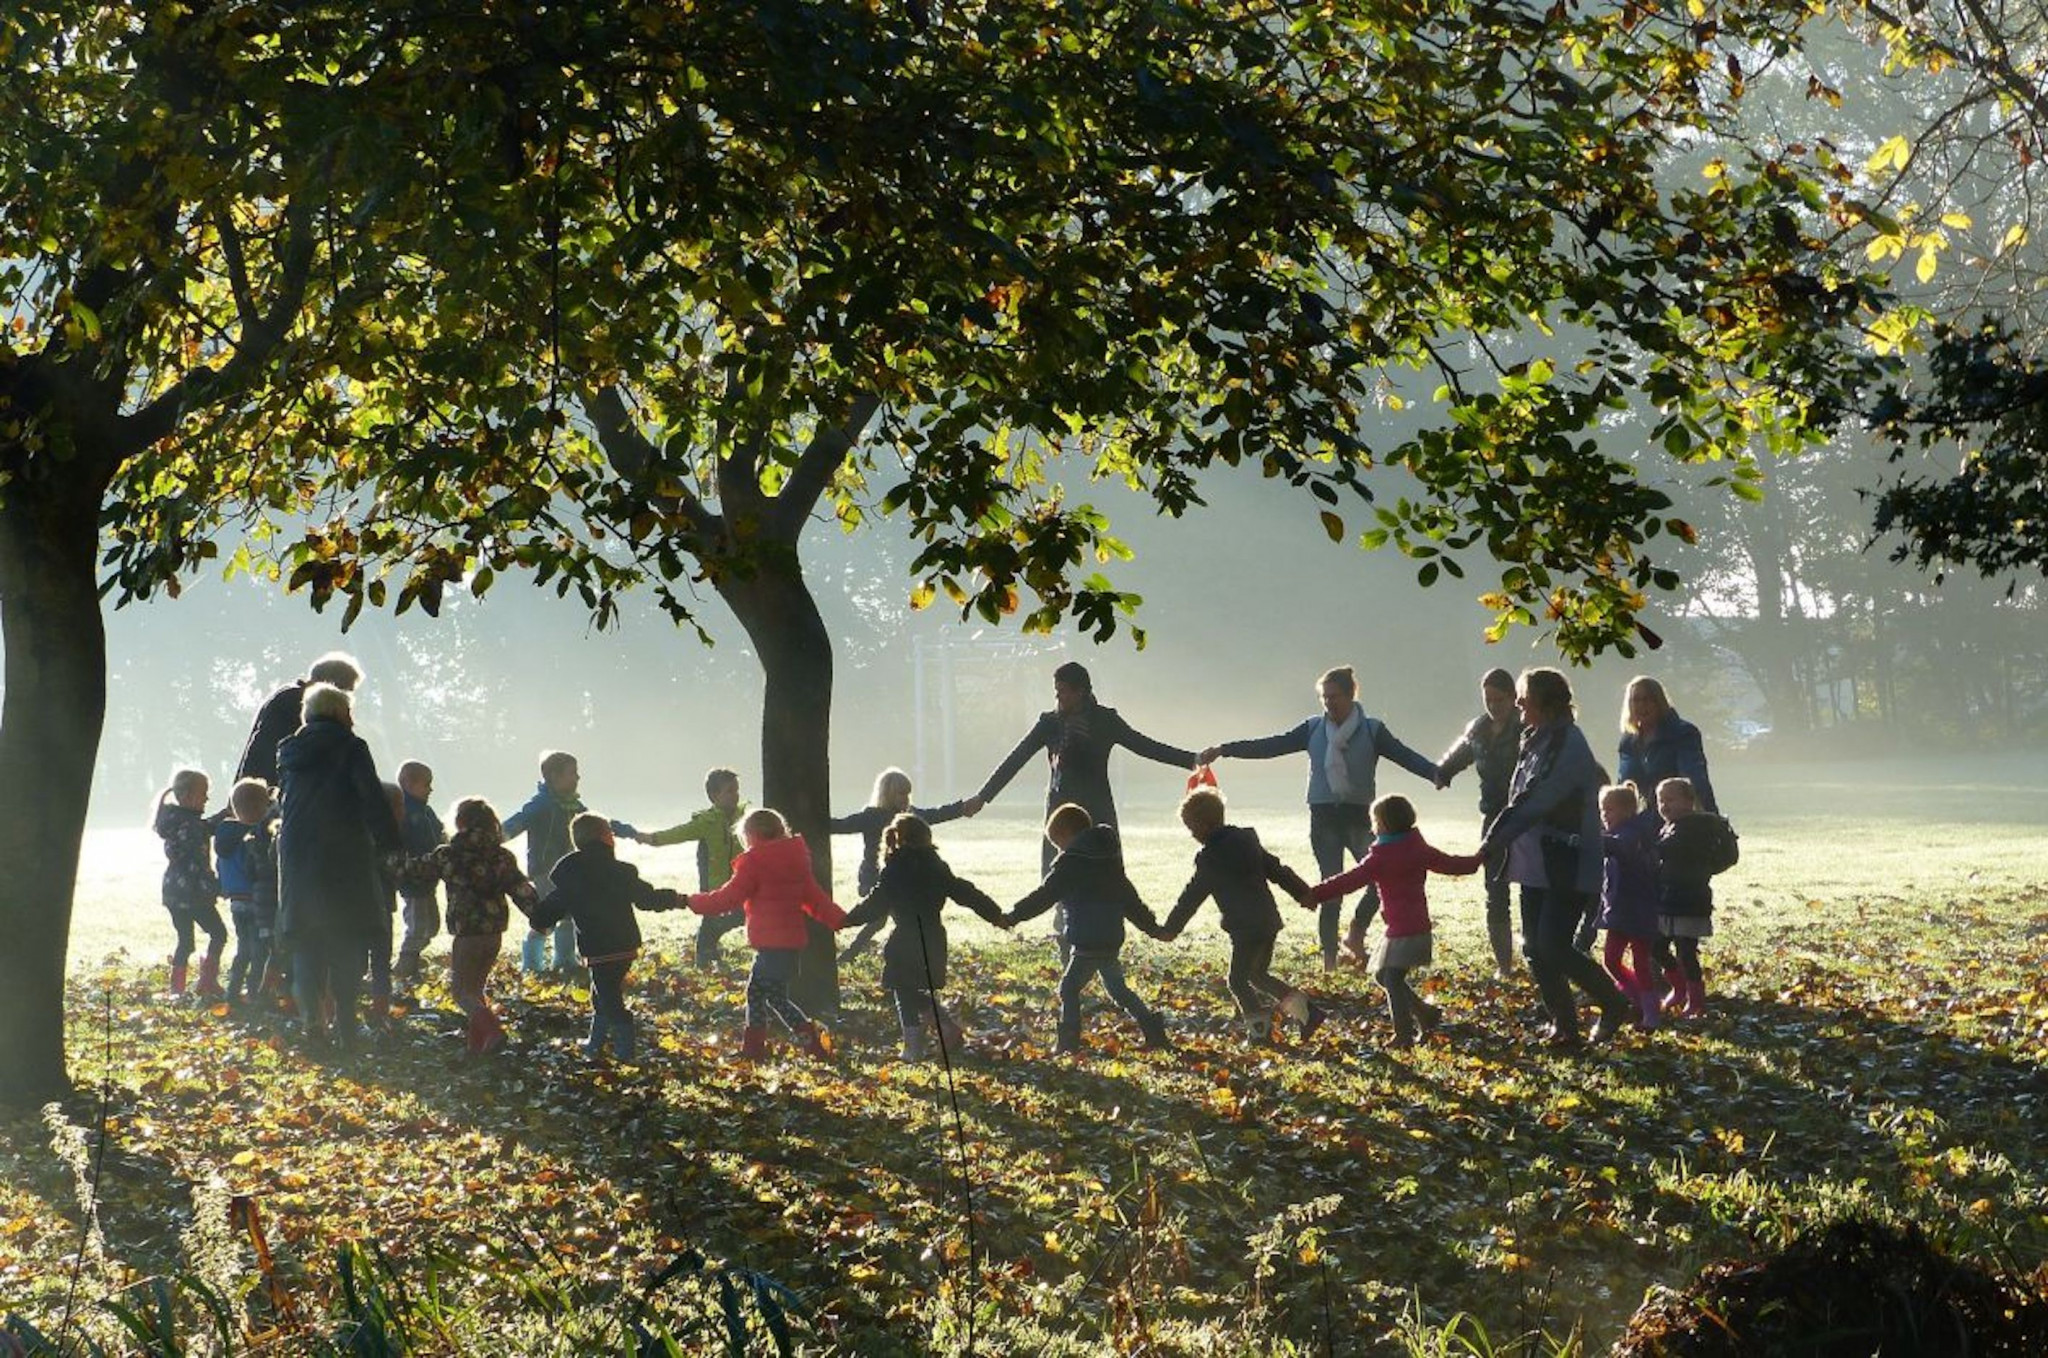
[
  {"x": 1087, "y": 880},
  {"x": 191, "y": 891},
  {"x": 1399, "y": 863},
  {"x": 911, "y": 889},
  {"x": 891, "y": 798},
  {"x": 420, "y": 830},
  {"x": 245, "y": 852},
  {"x": 480, "y": 874},
  {"x": 1237, "y": 870},
  {"x": 773, "y": 884},
  {"x": 1628, "y": 897},
  {"x": 600, "y": 893},
  {"x": 1693, "y": 846}
]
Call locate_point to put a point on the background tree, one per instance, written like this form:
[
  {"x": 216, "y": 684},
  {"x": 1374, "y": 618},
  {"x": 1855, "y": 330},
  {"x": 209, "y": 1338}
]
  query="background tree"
[
  {"x": 768, "y": 262},
  {"x": 191, "y": 198}
]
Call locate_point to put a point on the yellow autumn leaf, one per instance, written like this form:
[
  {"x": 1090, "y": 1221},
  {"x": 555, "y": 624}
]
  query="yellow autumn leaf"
[
  {"x": 1925, "y": 268},
  {"x": 1959, "y": 220},
  {"x": 2015, "y": 235}
]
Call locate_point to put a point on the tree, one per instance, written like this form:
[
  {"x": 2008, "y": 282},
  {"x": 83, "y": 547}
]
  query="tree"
[
  {"x": 190, "y": 197},
  {"x": 773, "y": 260}
]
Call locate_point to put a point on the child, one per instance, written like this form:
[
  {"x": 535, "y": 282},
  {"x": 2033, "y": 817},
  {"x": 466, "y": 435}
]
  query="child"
[
  {"x": 599, "y": 892},
  {"x": 1237, "y": 870},
  {"x": 191, "y": 891},
  {"x": 1693, "y": 846},
  {"x": 911, "y": 889},
  {"x": 544, "y": 820},
  {"x": 480, "y": 873},
  {"x": 773, "y": 886},
  {"x": 890, "y": 799},
  {"x": 717, "y": 848},
  {"x": 244, "y": 850},
  {"x": 1087, "y": 879},
  {"x": 1628, "y": 897},
  {"x": 421, "y": 831},
  {"x": 1399, "y": 863}
]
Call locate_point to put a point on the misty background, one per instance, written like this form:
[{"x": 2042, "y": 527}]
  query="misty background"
[{"x": 1844, "y": 654}]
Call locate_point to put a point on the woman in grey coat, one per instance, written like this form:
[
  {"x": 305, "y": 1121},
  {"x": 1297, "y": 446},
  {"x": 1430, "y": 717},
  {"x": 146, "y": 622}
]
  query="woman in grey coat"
[{"x": 1550, "y": 831}]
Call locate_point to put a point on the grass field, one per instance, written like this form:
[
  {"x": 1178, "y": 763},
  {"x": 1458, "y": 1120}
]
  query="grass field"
[{"x": 1878, "y": 1018}]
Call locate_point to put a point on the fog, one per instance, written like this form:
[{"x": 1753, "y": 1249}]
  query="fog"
[{"x": 1245, "y": 603}]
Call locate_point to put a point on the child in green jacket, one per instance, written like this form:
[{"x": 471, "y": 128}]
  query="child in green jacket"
[{"x": 715, "y": 830}]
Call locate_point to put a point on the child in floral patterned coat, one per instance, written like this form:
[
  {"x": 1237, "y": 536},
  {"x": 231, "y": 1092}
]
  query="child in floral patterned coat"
[
  {"x": 480, "y": 875},
  {"x": 191, "y": 890}
]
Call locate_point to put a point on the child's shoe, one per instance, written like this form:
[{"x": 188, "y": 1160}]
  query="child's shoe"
[
  {"x": 753, "y": 1043},
  {"x": 209, "y": 977},
  {"x": 177, "y": 980}
]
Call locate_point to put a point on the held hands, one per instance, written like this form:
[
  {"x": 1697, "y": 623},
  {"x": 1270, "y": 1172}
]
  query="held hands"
[
  {"x": 1210, "y": 755},
  {"x": 972, "y": 806}
]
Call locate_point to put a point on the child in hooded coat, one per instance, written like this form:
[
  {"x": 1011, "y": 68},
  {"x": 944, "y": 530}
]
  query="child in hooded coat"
[
  {"x": 1087, "y": 881},
  {"x": 191, "y": 891},
  {"x": 480, "y": 876},
  {"x": 910, "y": 890},
  {"x": 598, "y": 892},
  {"x": 1238, "y": 871}
]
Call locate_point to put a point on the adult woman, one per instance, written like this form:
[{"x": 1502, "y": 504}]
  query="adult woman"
[
  {"x": 1077, "y": 737},
  {"x": 1657, "y": 743},
  {"x": 1344, "y": 748},
  {"x": 1550, "y": 831},
  {"x": 336, "y": 823},
  {"x": 1491, "y": 745},
  {"x": 283, "y": 711}
]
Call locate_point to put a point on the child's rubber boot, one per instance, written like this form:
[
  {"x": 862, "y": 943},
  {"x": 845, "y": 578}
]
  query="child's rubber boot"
[
  {"x": 177, "y": 980},
  {"x": 625, "y": 1043},
  {"x": 951, "y": 1034},
  {"x": 753, "y": 1042},
  {"x": 209, "y": 977},
  {"x": 1155, "y": 1035},
  {"x": 1650, "y": 1009},
  {"x": 810, "y": 1041},
  {"x": 600, "y": 1032}
]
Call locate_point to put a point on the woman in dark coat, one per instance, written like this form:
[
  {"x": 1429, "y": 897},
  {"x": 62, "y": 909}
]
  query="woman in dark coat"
[
  {"x": 281, "y": 714},
  {"x": 1550, "y": 829},
  {"x": 1657, "y": 743},
  {"x": 913, "y": 887},
  {"x": 337, "y": 824},
  {"x": 1077, "y": 736}
]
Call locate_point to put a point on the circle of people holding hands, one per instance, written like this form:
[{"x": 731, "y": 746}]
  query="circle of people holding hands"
[{"x": 319, "y": 860}]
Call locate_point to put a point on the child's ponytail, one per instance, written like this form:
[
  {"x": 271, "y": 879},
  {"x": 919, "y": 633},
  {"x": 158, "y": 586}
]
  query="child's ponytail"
[{"x": 905, "y": 832}]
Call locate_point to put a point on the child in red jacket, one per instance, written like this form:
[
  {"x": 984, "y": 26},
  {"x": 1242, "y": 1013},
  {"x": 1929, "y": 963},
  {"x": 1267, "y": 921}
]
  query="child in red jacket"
[
  {"x": 1399, "y": 864},
  {"x": 773, "y": 883}
]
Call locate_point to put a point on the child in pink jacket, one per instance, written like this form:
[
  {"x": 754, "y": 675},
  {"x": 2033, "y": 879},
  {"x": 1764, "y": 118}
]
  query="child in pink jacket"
[
  {"x": 772, "y": 881},
  {"x": 1399, "y": 864}
]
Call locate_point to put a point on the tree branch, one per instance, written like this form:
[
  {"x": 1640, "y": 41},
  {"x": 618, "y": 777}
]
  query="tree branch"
[
  {"x": 632, "y": 454},
  {"x": 821, "y": 459}
]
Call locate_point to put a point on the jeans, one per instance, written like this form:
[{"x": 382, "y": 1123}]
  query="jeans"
[
  {"x": 1550, "y": 919},
  {"x": 768, "y": 989},
  {"x": 252, "y": 950},
  {"x": 1334, "y": 830},
  {"x": 1082, "y": 967},
  {"x": 1251, "y": 978},
  {"x": 422, "y": 925},
  {"x": 1500, "y": 929}
]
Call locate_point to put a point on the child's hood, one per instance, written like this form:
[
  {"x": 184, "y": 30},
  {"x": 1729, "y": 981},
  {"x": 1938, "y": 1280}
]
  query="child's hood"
[
  {"x": 1234, "y": 849},
  {"x": 1097, "y": 841},
  {"x": 168, "y": 813},
  {"x": 780, "y": 855}
]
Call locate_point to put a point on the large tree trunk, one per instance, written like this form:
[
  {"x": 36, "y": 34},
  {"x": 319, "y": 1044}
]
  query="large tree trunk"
[
  {"x": 775, "y": 606},
  {"x": 54, "y": 706}
]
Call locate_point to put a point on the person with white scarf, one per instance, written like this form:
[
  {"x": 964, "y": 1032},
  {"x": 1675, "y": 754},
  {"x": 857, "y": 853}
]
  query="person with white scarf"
[{"x": 1344, "y": 747}]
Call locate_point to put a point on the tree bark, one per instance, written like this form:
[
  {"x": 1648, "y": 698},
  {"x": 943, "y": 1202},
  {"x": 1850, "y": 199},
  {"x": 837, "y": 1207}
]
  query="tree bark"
[
  {"x": 50, "y": 721},
  {"x": 775, "y": 605}
]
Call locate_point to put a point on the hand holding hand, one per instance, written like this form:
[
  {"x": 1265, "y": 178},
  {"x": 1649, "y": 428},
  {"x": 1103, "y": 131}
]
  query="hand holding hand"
[
  {"x": 1210, "y": 755},
  {"x": 972, "y": 806}
]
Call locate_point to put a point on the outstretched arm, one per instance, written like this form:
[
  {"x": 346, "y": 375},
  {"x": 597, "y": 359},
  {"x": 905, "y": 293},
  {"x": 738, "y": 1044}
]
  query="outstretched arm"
[
  {"x": 1158, "y": 751},
  {"x": 1292, "y": 741},
  {"x": 1034, "y": 741},
  {"x": 1389, "y": 746}
]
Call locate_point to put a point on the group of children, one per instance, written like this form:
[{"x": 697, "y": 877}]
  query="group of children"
[{"x": 578, "y": 897}]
